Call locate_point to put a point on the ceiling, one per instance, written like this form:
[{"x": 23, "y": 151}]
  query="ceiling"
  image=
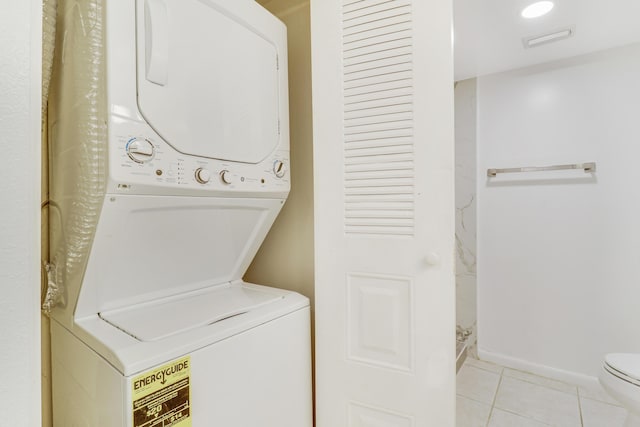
[{"x": 488, "y": 33}]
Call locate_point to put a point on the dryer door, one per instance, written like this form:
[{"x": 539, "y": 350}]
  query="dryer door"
[{"x": 208, "y": 80}]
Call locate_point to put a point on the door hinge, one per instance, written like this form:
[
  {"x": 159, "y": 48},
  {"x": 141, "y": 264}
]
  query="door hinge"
[{"x": 277, "y": 62}]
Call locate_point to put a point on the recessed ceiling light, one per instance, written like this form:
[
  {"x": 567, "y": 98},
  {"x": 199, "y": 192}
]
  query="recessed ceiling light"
[{"x": 538, "y": 9}]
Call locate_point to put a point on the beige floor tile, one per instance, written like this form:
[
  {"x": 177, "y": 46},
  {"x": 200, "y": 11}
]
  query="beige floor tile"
[
  {"x": 501, "y": 418},
  {"x": 487, "y": 366},
  {"x": 600, "y": 414},
  {"x": 477, "y": 384},
  {"x": 537, "y": 402},
  {"x": 536, "y": 379},
  {"x": 470, "y": 413},
  {"x": 596, "y": 392},
  {"x": 523, "y": 399}
]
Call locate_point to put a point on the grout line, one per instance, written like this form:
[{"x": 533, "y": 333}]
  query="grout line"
[
  {"x": 525, "y": 417},
  {"x": 545, "y": 386},
  {"x": 540, "y": 376},
  {"x": 473, "y": 400},
  {"x": 495, "y": 396},
  {"x": 580, "y": 407},
  {"x": 596, "y": 399},
  {"x": 483, "y": 368},
  {"x": 603, "y": 402}
]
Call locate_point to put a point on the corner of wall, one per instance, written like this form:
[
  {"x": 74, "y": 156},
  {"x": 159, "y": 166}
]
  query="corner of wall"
[{"x": 286, "y": 258}]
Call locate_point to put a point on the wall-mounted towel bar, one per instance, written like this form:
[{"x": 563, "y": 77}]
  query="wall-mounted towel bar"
[{"x": 587, "y": 167}]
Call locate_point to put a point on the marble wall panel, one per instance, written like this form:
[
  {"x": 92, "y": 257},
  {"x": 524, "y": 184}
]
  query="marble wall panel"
[{"x": 465, "y": 128}]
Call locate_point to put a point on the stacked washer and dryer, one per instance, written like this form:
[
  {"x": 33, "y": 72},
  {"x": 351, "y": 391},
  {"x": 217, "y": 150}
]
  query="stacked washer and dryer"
[{"x": 169, "y": 149}]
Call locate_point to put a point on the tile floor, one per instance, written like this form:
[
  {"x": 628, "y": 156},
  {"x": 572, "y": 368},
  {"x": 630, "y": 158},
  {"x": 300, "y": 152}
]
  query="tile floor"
[{"x": 492, "y": 396}]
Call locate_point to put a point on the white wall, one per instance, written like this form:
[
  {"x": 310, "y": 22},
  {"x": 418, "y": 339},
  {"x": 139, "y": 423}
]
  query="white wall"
[
  {"x": 558, "y": 276},
  {"x": 20, "y": 71},
  {"x": 465, "y": 126}
]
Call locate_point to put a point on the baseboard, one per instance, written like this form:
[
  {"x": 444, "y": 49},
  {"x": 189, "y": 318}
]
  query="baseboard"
[{"x": 569, "y": 377}]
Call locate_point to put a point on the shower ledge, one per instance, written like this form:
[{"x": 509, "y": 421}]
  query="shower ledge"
[{"x": 461, "y": 355}]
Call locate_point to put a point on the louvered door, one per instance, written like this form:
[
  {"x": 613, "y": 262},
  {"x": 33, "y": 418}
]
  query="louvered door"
[
  {"x": 383, "y": 164},
  {"x": 377, "y": 79}
]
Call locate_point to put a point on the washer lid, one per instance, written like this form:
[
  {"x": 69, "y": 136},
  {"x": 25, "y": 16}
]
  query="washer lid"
[
  {"x": 160, "y": 319},
  {"x": 627, "y": 364},
  {"x": 148, "y": 248}
]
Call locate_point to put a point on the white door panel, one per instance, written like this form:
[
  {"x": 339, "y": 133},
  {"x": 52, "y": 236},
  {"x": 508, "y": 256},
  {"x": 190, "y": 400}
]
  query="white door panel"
[
  {"x": 208, "y": 80},
  {"x": 383, "y": 164}
]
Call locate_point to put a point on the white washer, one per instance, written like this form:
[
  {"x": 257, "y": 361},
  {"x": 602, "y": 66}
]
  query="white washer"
[{"x": 161, "y": 330}]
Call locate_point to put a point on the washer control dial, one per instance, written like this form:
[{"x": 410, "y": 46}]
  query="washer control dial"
[
  {"x": 140, "y": 150},
  {"x": 279, "y": 168},
  {"x": 226, "y": 177},
  {"x": 203, "y": 176}
]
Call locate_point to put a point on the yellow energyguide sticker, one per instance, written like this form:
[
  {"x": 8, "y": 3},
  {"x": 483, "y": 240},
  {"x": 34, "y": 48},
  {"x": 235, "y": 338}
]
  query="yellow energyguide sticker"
[{"x": 161, "y": 396}]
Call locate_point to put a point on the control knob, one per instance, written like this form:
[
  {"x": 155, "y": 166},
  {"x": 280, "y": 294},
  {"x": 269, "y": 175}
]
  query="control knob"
[
  {"x": 203, "y": 176},
  {"x": 140, "y": 150},
  {"x": 226, "y": 177},
  {"x": 279, "y": 168}
]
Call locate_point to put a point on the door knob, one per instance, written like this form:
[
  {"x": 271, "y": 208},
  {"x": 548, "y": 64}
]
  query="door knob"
[{"x": 432, "y": 259}]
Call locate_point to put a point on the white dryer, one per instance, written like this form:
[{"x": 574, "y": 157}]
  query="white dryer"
[{"x": 169, "y": 163}]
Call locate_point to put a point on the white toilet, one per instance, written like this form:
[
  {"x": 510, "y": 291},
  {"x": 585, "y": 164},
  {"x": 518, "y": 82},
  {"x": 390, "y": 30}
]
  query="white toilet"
[{"x": 620, "y": 377}]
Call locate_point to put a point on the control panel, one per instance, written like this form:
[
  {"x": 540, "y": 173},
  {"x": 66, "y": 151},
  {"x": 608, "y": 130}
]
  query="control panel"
[{"x": 145, "y": 164}]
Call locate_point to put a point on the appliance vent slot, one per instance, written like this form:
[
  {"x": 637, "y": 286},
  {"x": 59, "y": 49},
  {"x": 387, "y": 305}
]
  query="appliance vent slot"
[{"x": 378, "y": 117}]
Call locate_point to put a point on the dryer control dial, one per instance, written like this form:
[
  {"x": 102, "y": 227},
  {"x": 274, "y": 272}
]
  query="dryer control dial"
[
  {"x": 203, "y": 176},
  {"x": 279, "y": 168},
  {"x": 226, "y": 177},
  {"x": 140, "y": 150}
]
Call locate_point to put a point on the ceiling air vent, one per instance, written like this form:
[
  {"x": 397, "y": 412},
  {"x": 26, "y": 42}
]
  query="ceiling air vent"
[{"x": 541, "y": 39}]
